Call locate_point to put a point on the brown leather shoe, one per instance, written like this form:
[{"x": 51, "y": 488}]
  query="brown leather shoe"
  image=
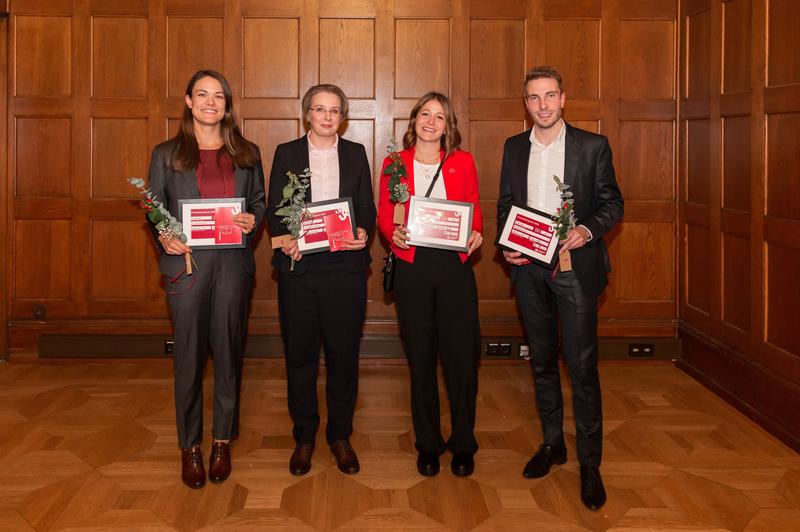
[
  {"x": 219, "y": 465},
  {"x": 300, "y": 462},
  {"x": 346, "y": 459},
  {"x": 193, "y": 473}
]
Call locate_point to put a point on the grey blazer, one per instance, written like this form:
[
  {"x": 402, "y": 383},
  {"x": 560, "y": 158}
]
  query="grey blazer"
[{"x": 170, "y": 185}]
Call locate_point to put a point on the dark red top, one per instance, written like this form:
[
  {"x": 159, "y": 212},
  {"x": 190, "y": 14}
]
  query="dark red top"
[{"x": 215, "y": 174}]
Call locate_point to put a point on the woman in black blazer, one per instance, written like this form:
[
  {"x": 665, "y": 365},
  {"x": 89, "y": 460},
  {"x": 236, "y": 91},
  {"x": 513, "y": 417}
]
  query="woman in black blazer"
[
  {"x": 325, "y": 294},
  {"x": 208, "y": 158}
]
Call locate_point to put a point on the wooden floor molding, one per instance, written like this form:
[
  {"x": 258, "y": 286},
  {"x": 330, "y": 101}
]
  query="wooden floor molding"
[{"x": 91, "y": 445}]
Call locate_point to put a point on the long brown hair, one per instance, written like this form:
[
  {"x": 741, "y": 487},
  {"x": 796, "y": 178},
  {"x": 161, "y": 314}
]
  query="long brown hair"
[
  {"x": 241, "y": 152},
  {"x": 451, "y": 139}
]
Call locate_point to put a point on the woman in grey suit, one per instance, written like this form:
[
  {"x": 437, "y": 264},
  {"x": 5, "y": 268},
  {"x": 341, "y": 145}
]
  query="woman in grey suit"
[{"x": 208, "y": 158}]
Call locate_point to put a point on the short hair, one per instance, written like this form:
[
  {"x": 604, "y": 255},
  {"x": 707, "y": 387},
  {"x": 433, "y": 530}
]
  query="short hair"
[
  {"x": 324, "y": 87},
  {"x": 451, "y": 139},
  {"x": 543, "y": 71}
]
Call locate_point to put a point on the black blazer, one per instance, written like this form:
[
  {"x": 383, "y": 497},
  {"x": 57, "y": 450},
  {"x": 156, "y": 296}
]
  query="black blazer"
[
  {"x": 355, "y": 181},
  {"x": 598, "y": 202},
  {"x": 170, "y": 185}
]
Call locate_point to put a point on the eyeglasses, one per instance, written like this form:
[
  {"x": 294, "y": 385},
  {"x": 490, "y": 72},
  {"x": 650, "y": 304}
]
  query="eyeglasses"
[{"x": 320, "y": 111}]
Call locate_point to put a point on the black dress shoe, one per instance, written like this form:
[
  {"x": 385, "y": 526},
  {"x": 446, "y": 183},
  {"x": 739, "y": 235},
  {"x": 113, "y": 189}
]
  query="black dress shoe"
[
  {"x": 300, "y": 462},
  {"x": 593, "y": 494},
  {"x": 543, "y": 460},
  {"x": 193, "y": 473},
  {"x": 463, "y": 464},
  {"x": 346, "y": 459},
  {"x": 428, "y": 463},
  {"x": 219, "y": 465}
]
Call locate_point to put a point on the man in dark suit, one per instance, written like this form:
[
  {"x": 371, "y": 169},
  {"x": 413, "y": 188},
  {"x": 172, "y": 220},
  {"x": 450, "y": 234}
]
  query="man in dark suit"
[
  {"x": 581, "y": 160},
  {"x": 324, "y": 296}
]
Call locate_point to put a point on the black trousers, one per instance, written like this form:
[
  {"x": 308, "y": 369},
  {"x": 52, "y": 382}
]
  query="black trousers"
[
  {"x": 541, "y": 299},
  {"x": 209, "y": 309},
  {"x": 325, "y": 302},
  {"x": 437, "y": 307}
]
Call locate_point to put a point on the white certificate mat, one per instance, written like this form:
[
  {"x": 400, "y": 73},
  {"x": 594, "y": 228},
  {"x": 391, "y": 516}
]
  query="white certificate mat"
[
  {"x": 530, "y": 232},
  {"x": 208, "y": 222},
  {"x": 438, "y": 223}
]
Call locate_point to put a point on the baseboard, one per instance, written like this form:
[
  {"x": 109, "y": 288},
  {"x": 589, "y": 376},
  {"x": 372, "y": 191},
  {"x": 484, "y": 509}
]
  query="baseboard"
[
  {"x": 154, "y": 346},
  {"x": 765, "y": 397}
]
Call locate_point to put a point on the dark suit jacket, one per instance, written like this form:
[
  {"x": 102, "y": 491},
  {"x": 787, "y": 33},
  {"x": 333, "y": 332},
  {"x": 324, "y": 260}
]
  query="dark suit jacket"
[
  {"x": 170, "y": 185},
  {"x": 355, "y": 181},
  {"x": 598, "y": 202}
]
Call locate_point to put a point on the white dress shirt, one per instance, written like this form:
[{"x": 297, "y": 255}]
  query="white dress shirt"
[
  {"x": 324, "y": 166},
  {"x": 544, "y": 163}
]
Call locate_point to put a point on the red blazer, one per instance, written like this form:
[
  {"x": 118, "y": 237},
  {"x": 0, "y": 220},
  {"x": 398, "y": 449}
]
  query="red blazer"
[{"x": 460, "y": 182}]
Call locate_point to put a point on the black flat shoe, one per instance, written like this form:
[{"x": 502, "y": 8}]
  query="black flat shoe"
[
  {"x": 593, "y": 494},
  {"x": 543, "y": 460},
  {"x": 428, "y": 463},
  {"x": 463, "y": 464}
]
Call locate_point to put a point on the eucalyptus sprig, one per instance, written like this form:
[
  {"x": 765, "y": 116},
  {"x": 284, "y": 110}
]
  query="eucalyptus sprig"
[
  {"x": 166, "y": 224},
  {"x": 293, "y": 205},
  {"x": 564, "y": 219}
]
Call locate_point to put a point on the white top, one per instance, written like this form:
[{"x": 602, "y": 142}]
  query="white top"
[
  {"x": 544, "y": 163},
  {"x": 423, "y": 175},
  {"x": 324, "y": 166}
]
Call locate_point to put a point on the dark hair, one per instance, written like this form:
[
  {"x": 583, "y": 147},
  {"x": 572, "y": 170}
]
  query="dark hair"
[
  {"x": 324, "y": 87},
  {"x": 242, "y": 153},
  {"x": 451, "y": 139},
  {"x": 542, "y": 72}
]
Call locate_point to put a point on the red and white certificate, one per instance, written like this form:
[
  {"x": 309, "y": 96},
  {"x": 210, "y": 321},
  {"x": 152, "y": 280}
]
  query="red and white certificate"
[
  {"x": 531, "y": 233},
  {"x": 328, "y": 224},
  {"x": 208, "y": 222},
  {"x": 438, "y": 223}
]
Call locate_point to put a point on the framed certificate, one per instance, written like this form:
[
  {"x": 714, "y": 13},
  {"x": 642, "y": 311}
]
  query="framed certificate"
[
  {"x": 330, "y": 222},
  {"x": 438, "y": 223},
  {"x": 208, "y": 222},
  {"x": 530, "y": 232}
]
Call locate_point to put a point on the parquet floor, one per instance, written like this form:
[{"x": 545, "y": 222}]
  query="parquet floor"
[{"x": 91, "y": 445}]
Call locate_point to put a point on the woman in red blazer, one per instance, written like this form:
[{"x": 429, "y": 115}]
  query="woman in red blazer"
[{"x": 435, "y": 290}]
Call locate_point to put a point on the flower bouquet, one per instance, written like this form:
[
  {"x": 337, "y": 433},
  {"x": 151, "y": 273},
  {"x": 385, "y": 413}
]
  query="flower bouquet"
[
  {"x": 398, "y": 184},
  {"x": 293, "y": 205},
  {"x": 564, "y": 221},
  {"x": 166, "y": 224}
]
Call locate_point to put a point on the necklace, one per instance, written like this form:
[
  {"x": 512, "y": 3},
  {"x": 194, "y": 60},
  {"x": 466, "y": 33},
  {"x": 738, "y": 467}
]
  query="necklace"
[{"x": 428, "y": 170}]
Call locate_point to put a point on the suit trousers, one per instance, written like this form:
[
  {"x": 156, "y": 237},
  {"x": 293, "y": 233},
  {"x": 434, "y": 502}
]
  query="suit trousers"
[
  {"x": 437, "y": 307},
  {"x": 209, "y": 309},
  {"x": 541, "y": 299},
  {"x": 329, "y": 303}
]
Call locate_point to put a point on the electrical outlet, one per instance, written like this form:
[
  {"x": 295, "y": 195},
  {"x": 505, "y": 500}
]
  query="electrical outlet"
[
  {"x": 492, "y": 349},
  {"x": 641, "y": 350},
  {"x": 169, "y": 346},
  {"x": 505, "y": 350}
]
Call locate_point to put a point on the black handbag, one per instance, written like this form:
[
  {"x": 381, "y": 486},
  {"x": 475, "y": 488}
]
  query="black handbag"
[
  {"x": 388, "y": 272},
  {"x": 391, "y": 258}
]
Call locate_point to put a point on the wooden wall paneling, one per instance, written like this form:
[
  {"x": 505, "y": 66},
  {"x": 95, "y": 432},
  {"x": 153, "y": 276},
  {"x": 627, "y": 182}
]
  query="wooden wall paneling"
[
  {"x": 736, "y": 46},
  {"x": 45, "y": 69},
  {"x": 783, "y": 64},
  {"x": 363, "y": 45},
  {"x": 5, "y": 185},
  {"x": 119, "y": 57}
]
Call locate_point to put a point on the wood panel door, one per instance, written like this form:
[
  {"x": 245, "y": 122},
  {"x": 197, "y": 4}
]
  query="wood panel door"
[{"x": 96, "y": 83}]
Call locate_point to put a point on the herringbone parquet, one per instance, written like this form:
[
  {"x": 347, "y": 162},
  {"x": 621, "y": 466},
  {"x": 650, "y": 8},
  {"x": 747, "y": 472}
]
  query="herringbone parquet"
[{"x": 91, "y": 445}]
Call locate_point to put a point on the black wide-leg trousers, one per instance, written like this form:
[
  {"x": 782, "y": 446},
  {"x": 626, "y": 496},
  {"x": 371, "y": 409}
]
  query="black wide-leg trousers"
[{"x": 437, "y": 307}]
